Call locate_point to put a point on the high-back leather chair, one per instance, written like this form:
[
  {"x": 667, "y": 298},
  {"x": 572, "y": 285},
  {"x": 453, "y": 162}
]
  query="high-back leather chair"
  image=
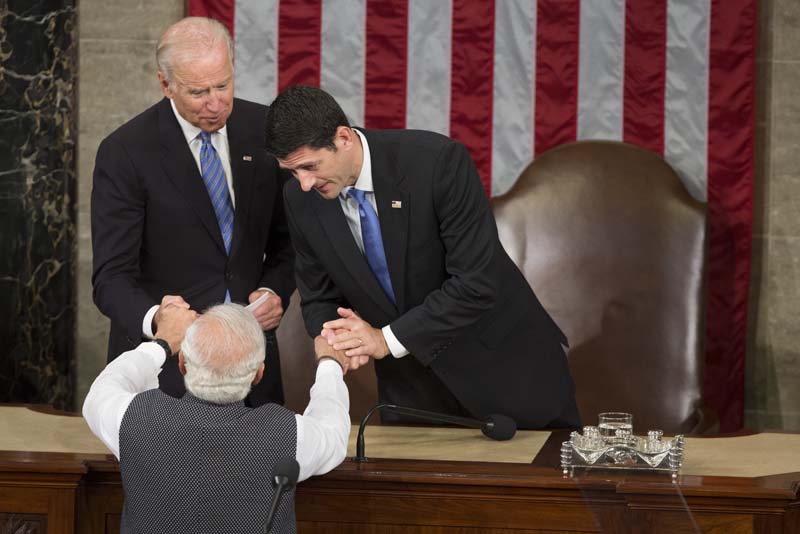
[{"x": 613, "y": 245}]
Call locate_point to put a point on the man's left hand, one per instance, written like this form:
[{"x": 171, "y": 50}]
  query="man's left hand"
[
  {"x": 355, "y": 336},
  {"x": 270, "y": 312}
]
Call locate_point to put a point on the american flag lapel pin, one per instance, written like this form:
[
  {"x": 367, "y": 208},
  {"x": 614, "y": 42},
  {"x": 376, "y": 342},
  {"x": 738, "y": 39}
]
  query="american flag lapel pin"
[
  {"x": 247, "y": 158},
  {"x": 397, "y": 204}
]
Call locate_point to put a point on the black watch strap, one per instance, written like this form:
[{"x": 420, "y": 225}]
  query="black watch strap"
[{"x": 164, "y": 345}]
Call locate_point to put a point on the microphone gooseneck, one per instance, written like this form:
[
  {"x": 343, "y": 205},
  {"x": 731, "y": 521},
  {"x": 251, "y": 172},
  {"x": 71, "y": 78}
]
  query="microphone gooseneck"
[
  {"x": 496, "y": 426},
  {"x": 284, "y": 477},
  {"x": 360, "y": 438}
]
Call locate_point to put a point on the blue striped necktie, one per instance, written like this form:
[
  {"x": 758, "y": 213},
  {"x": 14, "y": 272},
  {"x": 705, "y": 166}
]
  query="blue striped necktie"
[
  {"x": 214, "y": 178},
  {"x": 373, "y": 242}
]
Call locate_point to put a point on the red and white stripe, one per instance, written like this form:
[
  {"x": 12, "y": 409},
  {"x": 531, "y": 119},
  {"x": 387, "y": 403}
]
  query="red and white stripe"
[{"x": 514, "y": 78}]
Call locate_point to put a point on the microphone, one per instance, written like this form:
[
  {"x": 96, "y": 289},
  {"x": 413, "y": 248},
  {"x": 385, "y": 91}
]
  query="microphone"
[
  {"x": 284, "y": 477},
  {"x": 496, "y": 426}
]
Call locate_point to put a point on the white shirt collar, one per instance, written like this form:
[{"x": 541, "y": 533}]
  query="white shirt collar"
[
  {"x": 364, "y": 181},
  {"x": 190, "y": 131}
]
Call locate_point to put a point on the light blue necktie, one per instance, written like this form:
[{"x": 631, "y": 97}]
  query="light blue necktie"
[
  {"x": 373, "y": 242},
  {"x": 214, "y": 177}
]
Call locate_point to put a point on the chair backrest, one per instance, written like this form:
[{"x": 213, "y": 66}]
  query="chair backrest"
[{"x": 613, "y": 245}]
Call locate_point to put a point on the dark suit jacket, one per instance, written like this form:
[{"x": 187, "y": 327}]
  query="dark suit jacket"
[
  {"x": 464, "y": 310},
  {"x": 154, "y": 231}
]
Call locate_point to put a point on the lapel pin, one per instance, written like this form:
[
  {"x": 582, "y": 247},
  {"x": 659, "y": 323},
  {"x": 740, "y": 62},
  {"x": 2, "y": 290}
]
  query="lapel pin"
[
  {"x": 397, "y": 204},
  {"x": 247, "y": 158}
]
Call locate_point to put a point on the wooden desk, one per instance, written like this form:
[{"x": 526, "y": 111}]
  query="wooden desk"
[
  {"x": 80, "y": 492},
  {"x": 442, "y": 497}
]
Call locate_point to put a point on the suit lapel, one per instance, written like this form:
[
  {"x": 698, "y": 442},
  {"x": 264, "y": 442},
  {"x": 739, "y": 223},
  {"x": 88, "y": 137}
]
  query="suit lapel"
[
  {"x": 393, "y": 212},
  {"x": 334, "y": 224},
  {"x": 181, "y": 168},
  {"x": 243, "y": 173}
]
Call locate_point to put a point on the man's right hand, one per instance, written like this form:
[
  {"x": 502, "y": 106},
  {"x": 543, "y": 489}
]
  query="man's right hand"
[
  {"x": 323, "y": 348},
  {"x": 175, "y": 319},
  {"x": 175, "y": 300},
  {"x": 353, "y": 362}
]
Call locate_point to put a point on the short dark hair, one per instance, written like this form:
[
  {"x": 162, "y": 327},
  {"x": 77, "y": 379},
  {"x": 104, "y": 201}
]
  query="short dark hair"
[{"x": 302, "y": 116}]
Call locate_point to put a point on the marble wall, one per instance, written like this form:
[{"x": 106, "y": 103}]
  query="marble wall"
[
  {"x": 117, "y": 72},
  {"x": 773, "y": 366},
  {"x": 38, "y": 46}
]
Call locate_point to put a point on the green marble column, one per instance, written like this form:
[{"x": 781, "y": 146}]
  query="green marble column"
[{"x": 38, "y": 47}]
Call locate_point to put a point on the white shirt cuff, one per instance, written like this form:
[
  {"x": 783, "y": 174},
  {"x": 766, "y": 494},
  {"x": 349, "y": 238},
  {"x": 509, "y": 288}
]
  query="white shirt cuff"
[
  {"x": 147, "y": 323},
  {"x": 155, "y": 351},
  {"x": 395, "y": 347},
  {"x": 328, "y": 367}
]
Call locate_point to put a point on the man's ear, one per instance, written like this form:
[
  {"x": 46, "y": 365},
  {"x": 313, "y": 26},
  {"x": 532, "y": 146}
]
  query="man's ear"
[
  {"x": 164, "y": 85},
  {"x": 259, "y": 374},
  {"x": 182, "y": 364},
  {"x": 344, "y": 137}
]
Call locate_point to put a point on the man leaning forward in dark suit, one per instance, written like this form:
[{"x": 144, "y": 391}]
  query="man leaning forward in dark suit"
[
  {"x": 186, "y": 204},
  {"x": 203, "y": 463},
  {"x": 398, "y": 259}
]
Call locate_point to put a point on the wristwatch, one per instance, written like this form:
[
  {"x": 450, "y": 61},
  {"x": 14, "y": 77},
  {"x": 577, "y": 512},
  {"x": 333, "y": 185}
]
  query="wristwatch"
[{"x": 164, "y": 345}]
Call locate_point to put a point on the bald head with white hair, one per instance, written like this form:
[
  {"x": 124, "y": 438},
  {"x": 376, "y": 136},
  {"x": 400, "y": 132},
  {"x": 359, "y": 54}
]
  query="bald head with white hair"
[
  {"x": 188, "y": 39},
  {"x": 195, "y": 71},
  {"x": 222, "y": 354}
]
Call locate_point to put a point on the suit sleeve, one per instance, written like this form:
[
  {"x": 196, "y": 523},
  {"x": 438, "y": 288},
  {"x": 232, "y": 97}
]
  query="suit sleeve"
[
  {"x": 278, "y": 270},
  {"x": 320, "y": 296},
  {"x": 119, "y": 202},
  {"x": 468, "y": 232}
]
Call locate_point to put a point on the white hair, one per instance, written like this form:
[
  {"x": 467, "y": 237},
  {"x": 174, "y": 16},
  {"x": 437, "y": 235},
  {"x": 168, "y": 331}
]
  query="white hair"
[
  {"x": 190, "y": 38},
  {"x": 222, "y": 350}
]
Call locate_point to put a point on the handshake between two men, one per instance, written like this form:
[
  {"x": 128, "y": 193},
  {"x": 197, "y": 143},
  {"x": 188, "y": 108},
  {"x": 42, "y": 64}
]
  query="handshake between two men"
[
  {"x": 266, "y": 306},
  {"x": 174, "y": 316},
  {"x": 349, "y": 340},
  {"x": 359, "y": 340}
]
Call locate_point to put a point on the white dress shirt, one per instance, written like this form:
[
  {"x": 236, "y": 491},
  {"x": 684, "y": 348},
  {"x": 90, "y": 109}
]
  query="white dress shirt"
[
  {"x": 322, "y": 430},
  {"x": 350, "y": 208}
]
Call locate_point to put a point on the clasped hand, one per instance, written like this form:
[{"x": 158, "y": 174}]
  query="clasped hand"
[
  {"x": 173, "y": 318},
  {"x": 359, "y": 340}
]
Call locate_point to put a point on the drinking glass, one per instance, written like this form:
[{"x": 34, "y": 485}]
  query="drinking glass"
[{"x": 610, "y": 422}]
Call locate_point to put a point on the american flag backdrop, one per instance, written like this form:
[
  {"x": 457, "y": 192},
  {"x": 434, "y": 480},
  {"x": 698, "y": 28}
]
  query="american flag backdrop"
[{"x": 513, "y": 78}]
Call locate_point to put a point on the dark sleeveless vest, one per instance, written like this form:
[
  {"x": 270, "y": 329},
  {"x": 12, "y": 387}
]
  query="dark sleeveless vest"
[{"x": 194, "y": 467}]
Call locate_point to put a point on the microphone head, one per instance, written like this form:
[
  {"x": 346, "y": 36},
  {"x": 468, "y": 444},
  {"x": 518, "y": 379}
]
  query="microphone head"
[
  {"x": 287, "y": 469},
  {"x": 499, "y": 427}
]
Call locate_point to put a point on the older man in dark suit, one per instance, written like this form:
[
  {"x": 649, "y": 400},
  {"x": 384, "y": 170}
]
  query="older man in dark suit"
[
  {"x": 398, "y": 259},
  {"x": 186, "y": 204}
]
